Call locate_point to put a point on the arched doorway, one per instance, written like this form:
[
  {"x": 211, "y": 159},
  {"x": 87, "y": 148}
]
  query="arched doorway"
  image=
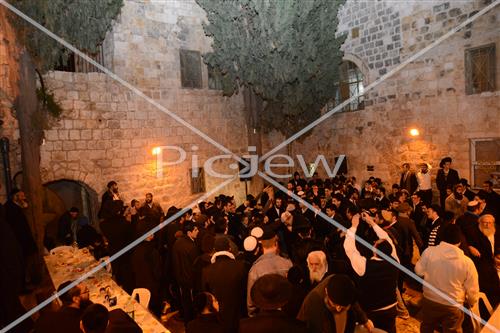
[{"x": 60, "y": 196}]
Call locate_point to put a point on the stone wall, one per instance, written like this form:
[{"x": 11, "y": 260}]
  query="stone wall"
[
  {"x": 107, "y": 132},
  {"x": 427, "y": 94}
]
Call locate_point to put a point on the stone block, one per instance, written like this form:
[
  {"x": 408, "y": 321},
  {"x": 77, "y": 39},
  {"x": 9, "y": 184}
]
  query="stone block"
[
  {"x": 86, "y": 134},
  {"x": 63, "y": 134},
  {"x": 59, "y": 156},
  {"x": 74, "y": 135},
  {"x": 72, "y": 95},
  {"x": 51, "y": 135},
  {"x": 81, "y": 145}
]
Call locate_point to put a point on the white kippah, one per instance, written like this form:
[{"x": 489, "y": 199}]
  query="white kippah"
[
  {"x": 257, "y": 232},
  {"x": 250, "y": 243}
]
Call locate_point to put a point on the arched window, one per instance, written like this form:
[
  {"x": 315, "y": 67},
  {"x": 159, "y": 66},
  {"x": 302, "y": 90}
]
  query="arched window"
[{"x": 351, "y": 83}]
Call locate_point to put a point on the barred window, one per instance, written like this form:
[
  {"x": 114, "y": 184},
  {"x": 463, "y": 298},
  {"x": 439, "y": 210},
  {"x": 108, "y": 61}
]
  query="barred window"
[
  {"x": 485, "y": 162},
  {"x": 480, "y": 69},
  {"x": 190, "y": 69},
  {"x": 350, "y": 84},
  {"x": 197, "y": 181}
]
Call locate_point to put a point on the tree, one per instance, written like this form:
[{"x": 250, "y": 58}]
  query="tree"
[
  {"x": 83, "y": 23},
  {"x": 286, "y": 52}
]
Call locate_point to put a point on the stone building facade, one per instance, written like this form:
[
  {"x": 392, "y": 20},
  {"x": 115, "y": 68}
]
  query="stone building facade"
[
  {"x": 107, "y": 132},
  {"x": 429, "y": 94}
]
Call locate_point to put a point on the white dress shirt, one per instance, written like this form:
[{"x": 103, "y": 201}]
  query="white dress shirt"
[
  {"x": 424, "y": 180},
  {"x": 358, "y": 262}
]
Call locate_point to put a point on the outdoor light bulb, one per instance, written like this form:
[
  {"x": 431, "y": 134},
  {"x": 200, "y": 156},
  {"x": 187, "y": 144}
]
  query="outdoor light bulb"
[
  {"x": 414, "y": 132},
  {"x": 156, "y": 150}
]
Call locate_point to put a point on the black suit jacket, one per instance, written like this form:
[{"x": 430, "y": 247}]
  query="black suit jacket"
[
  {"x": 226, "y": 279},
  {"x": 14, "y": 215},
  {"x": 272, "y": 321},
  {"x": 488, "y": 277},
  {"x": 65, "y": 320},
  {"x": 410, "y": 183},
  {"x": 184, "y": 254},
  {"x": 443, "y": 182}
]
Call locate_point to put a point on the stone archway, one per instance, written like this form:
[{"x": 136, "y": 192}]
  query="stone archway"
[
  {"x": 363, "y": 67},
  {"x": 60, "y": 195}
]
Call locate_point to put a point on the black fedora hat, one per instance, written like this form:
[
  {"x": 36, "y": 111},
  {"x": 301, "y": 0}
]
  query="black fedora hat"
[
  {"x": 444, "y": 160},
  {"x": 271, "y": 292}
]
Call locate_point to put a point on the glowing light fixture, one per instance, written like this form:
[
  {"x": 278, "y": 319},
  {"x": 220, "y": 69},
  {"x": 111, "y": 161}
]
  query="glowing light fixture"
[
  {"x": 414, "y": 132},
  {"x": 156, "y": 150}
]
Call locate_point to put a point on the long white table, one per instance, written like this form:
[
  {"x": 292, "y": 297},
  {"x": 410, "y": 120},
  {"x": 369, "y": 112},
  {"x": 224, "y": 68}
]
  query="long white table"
[
  {"x": 69, "y": 265},
  {"x": 494, "y": 321}
]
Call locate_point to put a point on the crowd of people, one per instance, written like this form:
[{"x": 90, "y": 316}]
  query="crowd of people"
[{"x": 325, "y": 262}]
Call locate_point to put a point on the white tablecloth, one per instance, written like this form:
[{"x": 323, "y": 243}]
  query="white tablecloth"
[{"x": 69, "y": 265}]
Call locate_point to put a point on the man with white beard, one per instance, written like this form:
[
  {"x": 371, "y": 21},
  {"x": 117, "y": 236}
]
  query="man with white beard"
[
  {"x": 318, "y": 267},
  {"x": 487, "y": 243}
]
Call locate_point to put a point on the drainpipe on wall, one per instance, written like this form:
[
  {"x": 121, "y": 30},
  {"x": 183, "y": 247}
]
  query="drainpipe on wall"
[{"x": 4, "y": 146}]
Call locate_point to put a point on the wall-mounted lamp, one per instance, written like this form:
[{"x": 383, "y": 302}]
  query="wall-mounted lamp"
[
  {"x": 156, "y": 151},
  {"x": 414, "y": 132}
]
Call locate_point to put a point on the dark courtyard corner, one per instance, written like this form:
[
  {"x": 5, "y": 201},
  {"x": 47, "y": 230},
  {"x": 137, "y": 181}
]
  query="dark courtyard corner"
[{"x": 239, "y": 166}]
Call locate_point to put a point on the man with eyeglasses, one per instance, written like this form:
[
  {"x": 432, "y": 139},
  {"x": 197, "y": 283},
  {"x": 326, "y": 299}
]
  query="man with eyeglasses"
[{"x": 67, "y": 318}]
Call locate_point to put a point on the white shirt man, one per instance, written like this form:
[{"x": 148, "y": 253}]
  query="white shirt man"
[
  {"x": 446, "y": 268},
  {"x": 424, "y": 178}
]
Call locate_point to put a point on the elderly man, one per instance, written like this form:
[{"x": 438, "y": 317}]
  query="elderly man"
[
  {"x": 332, "y": 307},
  {"x": 448, "y": 269},
  {"x": 317, "y": 266},
  {"x": 486, "y": 242}
]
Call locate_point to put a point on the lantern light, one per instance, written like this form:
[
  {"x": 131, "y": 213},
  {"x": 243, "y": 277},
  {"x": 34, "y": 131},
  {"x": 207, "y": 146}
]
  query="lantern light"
[{"x": 414, "y": 132}]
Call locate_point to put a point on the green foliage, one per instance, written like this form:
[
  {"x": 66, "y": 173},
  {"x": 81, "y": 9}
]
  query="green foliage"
[
  {"x": 82, "y": 23},
  {"x": 285, "y": 51},
  {"x": 48, "y": 102}
]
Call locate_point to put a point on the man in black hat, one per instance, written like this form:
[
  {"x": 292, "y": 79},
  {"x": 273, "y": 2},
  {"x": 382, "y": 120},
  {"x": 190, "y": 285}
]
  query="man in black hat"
[
  {"x": 446, "y": 178},
  {"x": 332, "y": 307},
  {"x": 268, "y": 263},
  {"x": 270, "y": 293},
  {"x": 225, "y": 277},
  {"x": 432, "y": 233},
  {"x": 449, "y": 270}
]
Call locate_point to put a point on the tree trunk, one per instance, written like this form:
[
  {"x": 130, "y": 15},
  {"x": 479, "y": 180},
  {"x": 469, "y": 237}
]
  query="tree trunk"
[
  {"x": 31, "y": 133},
  {"x": 253, "y": 108}
]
